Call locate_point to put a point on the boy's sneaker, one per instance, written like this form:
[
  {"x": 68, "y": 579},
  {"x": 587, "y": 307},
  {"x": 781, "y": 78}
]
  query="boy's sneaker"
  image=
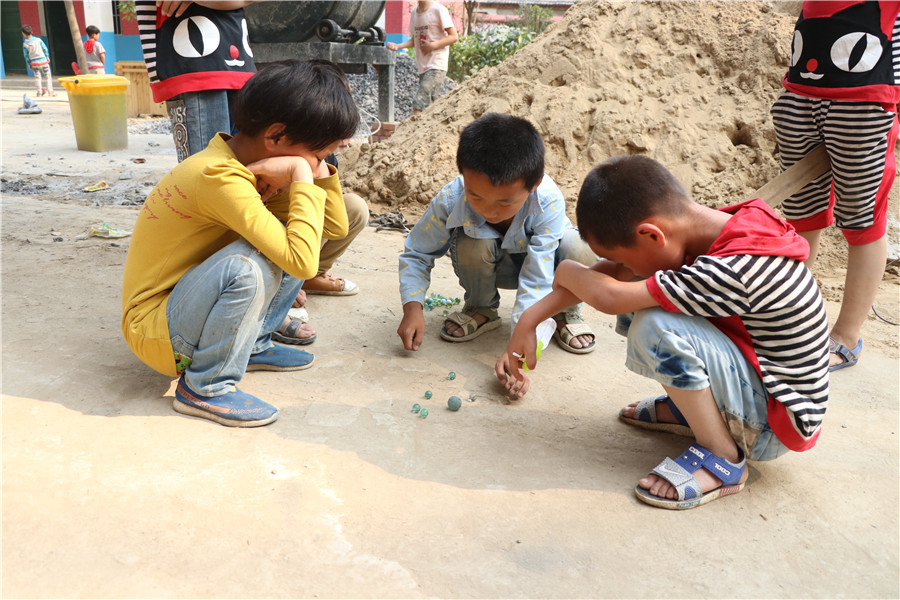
[
  {"x": 233, "y": 409},
  {"x": 280, "y": 358}
]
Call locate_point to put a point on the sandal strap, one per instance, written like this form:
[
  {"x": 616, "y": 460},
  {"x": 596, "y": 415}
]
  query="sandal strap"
[
  {"x": 491, "y": 313},
  {"x": 847, "y": 355},
  {"x": 292, "y": 328},
  {"x": 467, "y": 323},
  {"x": 680, "y": 472},
  {"x": 697, "y": 457},
  {"x": 646, "y": 410},
  {"x": 571, "y": 330},
  {"x": 681, "y": 479}
]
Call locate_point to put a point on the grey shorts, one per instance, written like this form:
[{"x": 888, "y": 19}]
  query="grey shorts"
[{"x": 431, "y": 83}]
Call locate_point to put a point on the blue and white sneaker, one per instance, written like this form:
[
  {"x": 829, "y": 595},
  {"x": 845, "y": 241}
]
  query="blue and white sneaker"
[
  {"x": 280, "y": 358},
  {"x": 232, "y": 409}
]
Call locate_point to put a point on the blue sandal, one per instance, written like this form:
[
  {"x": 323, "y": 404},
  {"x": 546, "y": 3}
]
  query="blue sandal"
[
  {"x": 680, "y": 473},
  {"x": 645, "y": 417},
  {"x": 848, "y": 357}
]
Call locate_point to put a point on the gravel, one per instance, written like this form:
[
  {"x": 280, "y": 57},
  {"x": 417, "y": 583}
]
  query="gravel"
[
  {"x": 406, "y": 82},
  {"x": 365, "y": 94}
]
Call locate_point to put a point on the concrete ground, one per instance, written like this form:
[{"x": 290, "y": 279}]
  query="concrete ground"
[{"x": 107, "y": 492}]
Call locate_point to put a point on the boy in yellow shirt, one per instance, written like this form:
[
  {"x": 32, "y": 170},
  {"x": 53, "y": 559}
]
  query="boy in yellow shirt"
[{"x": 225, "y": 240}]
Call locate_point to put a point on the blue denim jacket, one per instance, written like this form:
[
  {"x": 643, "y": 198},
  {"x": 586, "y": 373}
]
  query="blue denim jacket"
[{"x": 536, "y": 230}]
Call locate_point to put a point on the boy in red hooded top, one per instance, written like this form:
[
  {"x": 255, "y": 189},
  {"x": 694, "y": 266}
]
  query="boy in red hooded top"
[
  {"x": 842, "y": 89},
  {"x": 728, "y": 319},
  {"x": 94, "y": 51}
]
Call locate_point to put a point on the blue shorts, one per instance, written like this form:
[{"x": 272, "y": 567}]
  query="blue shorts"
[{"x": 690, "y": 353}]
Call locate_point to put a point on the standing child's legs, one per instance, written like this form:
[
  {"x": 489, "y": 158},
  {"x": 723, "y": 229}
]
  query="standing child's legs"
[
  {"x": 197, "y": 117},
  {"x": 720, "y": 395},
  {"x": 854, "y": 194},
  {"x": 431, "y": 83},
  {"x": 865, "y": 270},
  {"x": 37, "y": 72},
  {"x": 49, "y": 79}
]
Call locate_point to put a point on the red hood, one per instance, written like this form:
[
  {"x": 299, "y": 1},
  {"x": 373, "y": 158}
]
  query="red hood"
[
  {"x": 759, "y": 231},
  {"x": 89, "y": 45}
]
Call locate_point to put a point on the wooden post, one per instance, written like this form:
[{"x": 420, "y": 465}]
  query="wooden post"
[
  {"x": 795, "y": 177},
  {"x": 76, "y": 36}
]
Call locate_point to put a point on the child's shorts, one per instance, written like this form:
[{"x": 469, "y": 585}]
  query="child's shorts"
[
  {"x": 690, "y": 353},
  {"x": 431, "y": 84},
  {"x": 860, "y": 137}
]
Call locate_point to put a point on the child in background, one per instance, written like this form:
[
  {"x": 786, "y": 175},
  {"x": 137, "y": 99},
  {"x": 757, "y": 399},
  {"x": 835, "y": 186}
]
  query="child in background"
[
  {"x": 842, "y": 88},
  {"x": 728, "y": 320},
  {"x": 96, "y": 54},
  {"x": 432, "y": 33},
  {"x": 37, "y": 56},
  {"x": 504, "y": 223},
  {"x": 225, "y": 240}
]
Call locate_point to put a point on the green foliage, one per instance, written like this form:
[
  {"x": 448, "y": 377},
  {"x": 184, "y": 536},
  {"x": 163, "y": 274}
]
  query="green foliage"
[
  {"x": 126, "y": 10},
  {"x": 486, "y": 47},
  {"x": 533, "y": 17}
]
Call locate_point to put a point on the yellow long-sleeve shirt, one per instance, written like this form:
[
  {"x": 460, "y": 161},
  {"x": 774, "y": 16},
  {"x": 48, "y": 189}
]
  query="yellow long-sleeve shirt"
[{"x": 202, "y": 205}]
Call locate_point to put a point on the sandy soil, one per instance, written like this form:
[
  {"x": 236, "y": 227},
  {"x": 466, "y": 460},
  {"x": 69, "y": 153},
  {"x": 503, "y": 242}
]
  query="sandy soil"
[{"x": 107, "y": 492}]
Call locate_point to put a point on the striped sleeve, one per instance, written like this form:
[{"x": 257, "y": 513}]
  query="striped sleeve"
[
  {"x": 782, "y": 311},
  {"x": 146, "y": 19}
]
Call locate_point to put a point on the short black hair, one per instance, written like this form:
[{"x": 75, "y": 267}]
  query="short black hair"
[
  {"x": 502, "y": 147},
  {"x": 26, "y": 29},
  {"x": 311, "y": 98},
  {"x": 620, "y": 193},
  {"x": 92, "y": 29}
]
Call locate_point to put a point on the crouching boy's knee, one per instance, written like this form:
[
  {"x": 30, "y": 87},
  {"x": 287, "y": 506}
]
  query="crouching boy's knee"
[{"x": 572, "y": 247}]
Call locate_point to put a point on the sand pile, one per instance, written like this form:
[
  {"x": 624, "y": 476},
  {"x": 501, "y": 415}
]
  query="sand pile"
[{"x": 687, "y": 83}]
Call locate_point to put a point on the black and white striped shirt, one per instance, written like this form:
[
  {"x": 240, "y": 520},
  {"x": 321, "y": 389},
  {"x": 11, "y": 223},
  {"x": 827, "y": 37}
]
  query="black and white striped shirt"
[{"x": 770, "y": 306}]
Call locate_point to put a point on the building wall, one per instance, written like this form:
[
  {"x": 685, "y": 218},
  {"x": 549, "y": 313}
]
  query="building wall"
[{"x": 125, "y": 46}]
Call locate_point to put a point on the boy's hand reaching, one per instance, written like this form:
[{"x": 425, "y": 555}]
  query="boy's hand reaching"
[
  {"x": 522, "y": 347},
  {"x": 412, "y": 326},
  {"x": 278, "y": 172},
  {"x": 510, "y": 374}
]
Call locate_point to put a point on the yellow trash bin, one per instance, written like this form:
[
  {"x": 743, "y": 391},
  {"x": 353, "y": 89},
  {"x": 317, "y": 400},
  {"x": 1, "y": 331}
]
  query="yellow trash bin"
[{"x": 99, "y": 111}]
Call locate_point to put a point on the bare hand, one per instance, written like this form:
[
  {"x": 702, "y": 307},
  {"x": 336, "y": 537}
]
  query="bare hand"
[
  {"x": 391, "y": 46},
  {"x": 511, "y": 375},
  {"x": 173, "y": 7},
  {"x": 412, "y": 326},
  {"x": 300, "y": 300},
  {"x": 278, "y": 172}
]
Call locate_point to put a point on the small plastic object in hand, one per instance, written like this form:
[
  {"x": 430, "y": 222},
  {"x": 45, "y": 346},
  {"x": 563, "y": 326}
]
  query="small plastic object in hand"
[
  {"x": 453, "y": 403},
  {"x": 424, "y": 413},
  {"x": 427, "y": 394},
  {"x": 543, "y": 332},
  {"x": 416, "y": 407}
]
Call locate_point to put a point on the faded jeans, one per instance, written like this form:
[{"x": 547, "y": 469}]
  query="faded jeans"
[
  {"x": 225, "y": 309},
  {"x": 690, "y": 353},
  {"x": 197, "y": 117}
]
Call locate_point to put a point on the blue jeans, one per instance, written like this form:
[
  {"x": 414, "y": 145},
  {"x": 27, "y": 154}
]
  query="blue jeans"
[
  {"x": 483, "y": 268},
  {"x": 690, "y": 353},
  {"x": 225, "y": 309},
  {"x": 197, "y": 117}
]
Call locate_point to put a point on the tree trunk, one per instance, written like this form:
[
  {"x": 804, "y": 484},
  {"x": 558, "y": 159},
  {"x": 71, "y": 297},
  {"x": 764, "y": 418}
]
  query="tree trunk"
[{"x": 76, "y": 36}]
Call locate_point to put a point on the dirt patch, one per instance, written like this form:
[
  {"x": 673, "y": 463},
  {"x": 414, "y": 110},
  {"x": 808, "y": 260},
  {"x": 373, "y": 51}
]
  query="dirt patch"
[{"x": 687, "y": 83}]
